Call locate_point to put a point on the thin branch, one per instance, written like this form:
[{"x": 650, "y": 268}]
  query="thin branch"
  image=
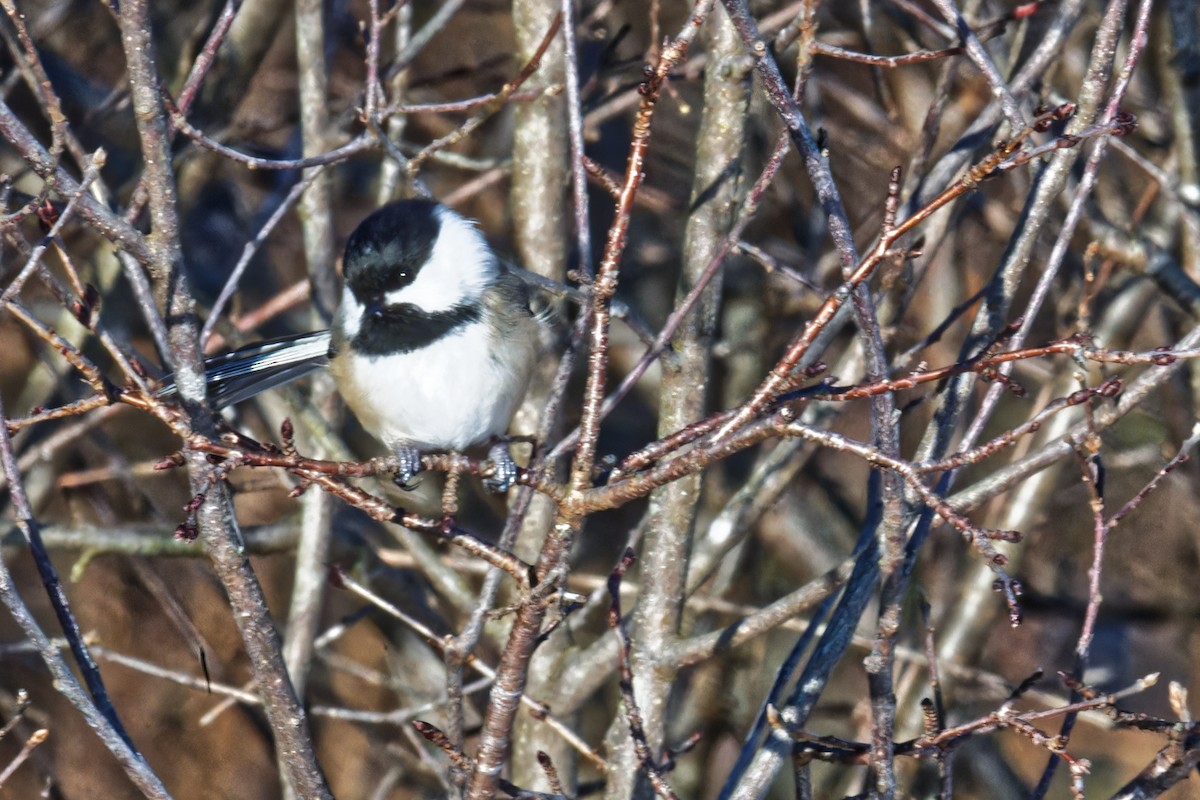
[{"x": 97, "y": 709}]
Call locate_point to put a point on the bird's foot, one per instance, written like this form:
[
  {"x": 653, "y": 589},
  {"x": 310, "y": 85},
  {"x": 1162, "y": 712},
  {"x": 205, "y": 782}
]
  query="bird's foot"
[
  {"x": 504, "y": 469},
  {"x": 408, "y": 464}
]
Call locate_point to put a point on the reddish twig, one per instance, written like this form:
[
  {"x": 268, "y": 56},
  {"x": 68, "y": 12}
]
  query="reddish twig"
[{"x": 491, "y": 107}]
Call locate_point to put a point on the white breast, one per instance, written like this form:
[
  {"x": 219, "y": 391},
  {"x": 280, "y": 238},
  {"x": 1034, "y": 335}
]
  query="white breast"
[{"x": 457, "y": 392}]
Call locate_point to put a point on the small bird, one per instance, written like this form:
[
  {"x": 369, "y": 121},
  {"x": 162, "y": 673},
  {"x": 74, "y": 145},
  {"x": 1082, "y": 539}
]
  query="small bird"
[{"x": 432, "y": 344}]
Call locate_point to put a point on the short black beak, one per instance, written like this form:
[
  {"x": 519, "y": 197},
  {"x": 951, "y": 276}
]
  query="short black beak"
[{"x": 374, "y": 309}]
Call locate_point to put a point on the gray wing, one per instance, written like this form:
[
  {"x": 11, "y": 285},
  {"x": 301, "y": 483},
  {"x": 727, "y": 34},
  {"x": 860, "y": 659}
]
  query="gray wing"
[
  {"x": 520, "y": 296},
  {"x": 244, "y": 373},
  {"x": 542, "y": 290}
]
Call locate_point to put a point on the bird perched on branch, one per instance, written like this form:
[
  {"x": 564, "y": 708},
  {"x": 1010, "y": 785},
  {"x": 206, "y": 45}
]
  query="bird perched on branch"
[{"x": 431, "y": 346}]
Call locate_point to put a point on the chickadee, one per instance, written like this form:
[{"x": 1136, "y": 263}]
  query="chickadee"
[{"x": 431, "y": 347}]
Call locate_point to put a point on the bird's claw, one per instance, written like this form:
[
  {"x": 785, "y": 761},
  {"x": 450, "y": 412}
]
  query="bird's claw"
[
  {"x": 504, "y": 469},
  {"x": 408, "y": 464}
]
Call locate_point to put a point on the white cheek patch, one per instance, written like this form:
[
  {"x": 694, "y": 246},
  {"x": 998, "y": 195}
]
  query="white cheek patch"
[
  {"x": 350, "y": 313},
  {"x": 460, "y": 267}
]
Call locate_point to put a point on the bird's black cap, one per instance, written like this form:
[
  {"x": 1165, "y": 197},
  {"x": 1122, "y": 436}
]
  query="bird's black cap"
[{"x": 388, "y": 248}]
